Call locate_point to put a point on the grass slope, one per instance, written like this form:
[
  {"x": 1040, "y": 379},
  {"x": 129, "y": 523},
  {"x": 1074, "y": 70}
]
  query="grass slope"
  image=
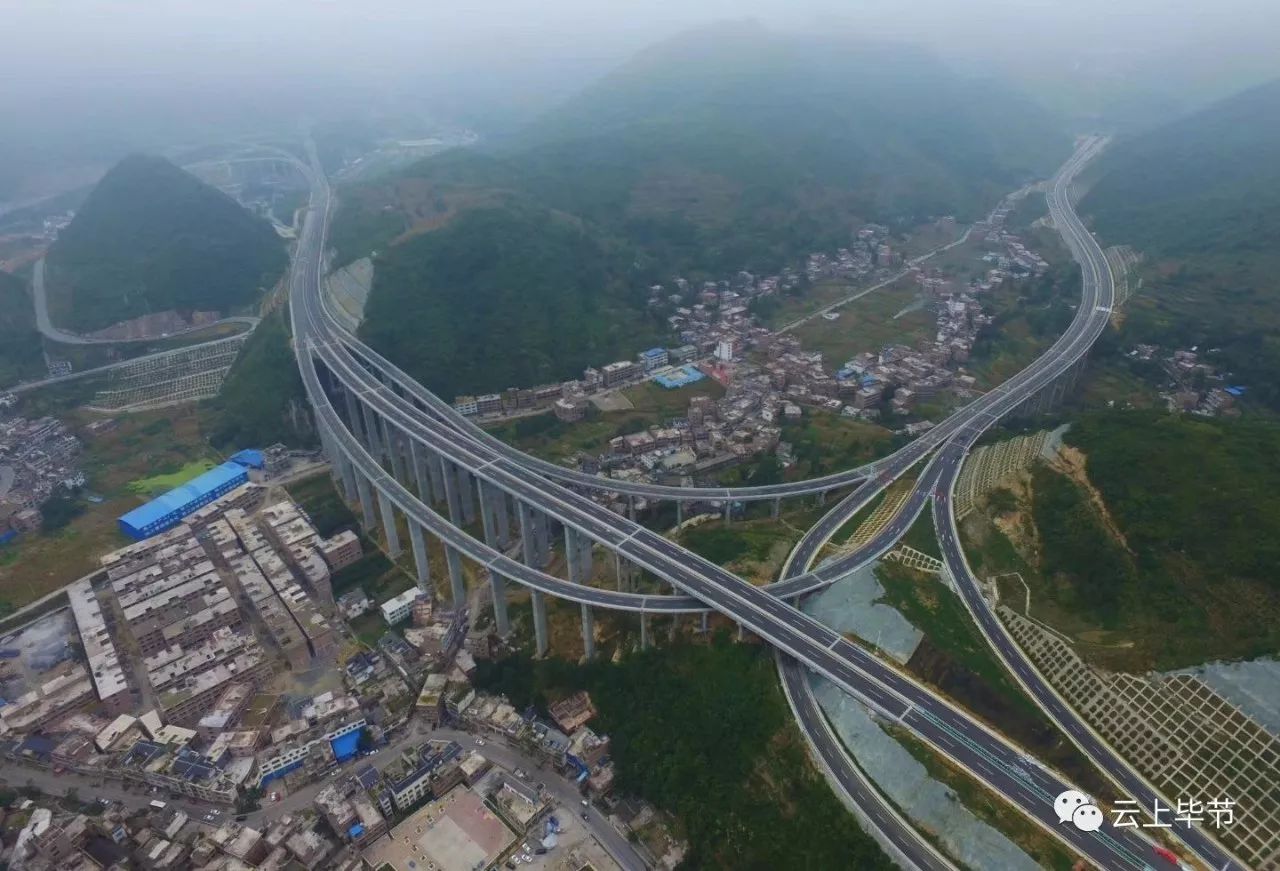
[{"x": 154, "y": 238}]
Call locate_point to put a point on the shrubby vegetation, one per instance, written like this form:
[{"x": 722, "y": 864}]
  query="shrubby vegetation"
[
  {"x": 1196, "y": 504},
  {"x": 704, "y": 733},
  {"x": 152, "y": 238},
  {"x": 262, "y": 400}
]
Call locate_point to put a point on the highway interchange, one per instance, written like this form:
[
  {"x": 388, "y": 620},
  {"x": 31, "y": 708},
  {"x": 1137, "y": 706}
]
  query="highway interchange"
[{"x": 431, "y": 426}]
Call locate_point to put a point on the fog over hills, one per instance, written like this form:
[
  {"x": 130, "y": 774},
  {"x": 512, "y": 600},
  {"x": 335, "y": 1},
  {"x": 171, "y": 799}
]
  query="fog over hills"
[{"x": 728, "y": 148}]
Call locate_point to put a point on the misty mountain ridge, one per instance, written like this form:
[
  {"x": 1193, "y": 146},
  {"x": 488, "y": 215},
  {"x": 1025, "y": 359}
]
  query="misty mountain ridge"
[
  {"x": 153, "y": 238},
  {"x": 1201, "y": 197},
  {"x": 727, "y": 148}
]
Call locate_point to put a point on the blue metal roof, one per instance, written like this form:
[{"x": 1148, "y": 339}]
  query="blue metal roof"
[
  {"x": 249, "y": 457},
  {"x": 184, "y": 498}
]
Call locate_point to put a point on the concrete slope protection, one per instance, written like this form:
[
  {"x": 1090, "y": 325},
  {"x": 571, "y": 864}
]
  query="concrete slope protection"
[{"x": 396, "y": 417}]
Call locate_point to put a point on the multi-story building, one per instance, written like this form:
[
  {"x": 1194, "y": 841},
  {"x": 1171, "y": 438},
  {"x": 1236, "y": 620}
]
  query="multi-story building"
[
  {"x": 341, "y": 550},
  {"x": 99, "y": 650},
  {"x": 356, "y": 818},
  {"x": 398, "y": 608}
]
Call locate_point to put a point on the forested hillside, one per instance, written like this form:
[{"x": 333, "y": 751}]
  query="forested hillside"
[
  {"x": 20, "y": 346},
  {"x": 262, "y": 400},
  {"x": 729, "y": 148},
  {"x": 1201, "y": 197},
  {"x": 1183, "y": 563},
  {"x": 501, "y": 298},
  {"x": 153, "y": 238}
]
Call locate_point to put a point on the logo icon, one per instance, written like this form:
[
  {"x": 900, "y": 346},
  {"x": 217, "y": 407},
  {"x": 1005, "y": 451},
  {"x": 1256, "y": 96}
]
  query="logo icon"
[{"x": 1077, "y": 808}]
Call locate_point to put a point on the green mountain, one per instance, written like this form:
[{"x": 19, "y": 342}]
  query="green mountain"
[
  {"x": 262, "y": 400},
  {"x": 725, "y": 149},
  {"x": 21, "y": 351},
  {"x": 153, "y": 238},
  {"x": 1201, "y": 197},
  {"x": 502, "y": 297}
]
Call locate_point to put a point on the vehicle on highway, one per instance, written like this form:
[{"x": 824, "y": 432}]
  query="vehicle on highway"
[
  {"x": 157, "y": 804},
  {"x": 1167, "y": 854}
]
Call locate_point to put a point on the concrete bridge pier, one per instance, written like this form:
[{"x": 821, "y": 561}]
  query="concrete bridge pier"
[
  {"x": 451, "y": 494},
  {"x": 348, "y": 475},
  {"x": 353, "y": 414},
  {"x": 528, "y": 544},
  {"x": 498, "y": 586},
  {"x": 542, "y": 537},
  {"x": 776, "y": 509},
  {"x": 588, "y": 632},
  {"x": 467, "y": 495},
  {"x": 420, "y": 474},
  {"x": 703, "y": 627},
  {"x": 538, "y": 600},
  {"x": 366, "y": 503},
  {"x": 389, "y": 525},
  {"x": 644, "y": 630},
  {"x": 373, "y": 437},
  {"x": 486, "y": 513},
  {"x": 679, "y": 512},
  {"x": 395, "y": 446},
  {"x": 585, "y": 567},
  {"x": 457, "y": 581},
  {"x": 501, "y": 513},
  {"x": 571, "y": 557},
  {"x": 418, "y": 542},
  {"x": 435, "y": 471}
]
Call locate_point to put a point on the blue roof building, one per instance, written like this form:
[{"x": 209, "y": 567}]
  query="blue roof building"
[
  {"x": 249, "y": 458},
  {"x": 165, "y": 512}
]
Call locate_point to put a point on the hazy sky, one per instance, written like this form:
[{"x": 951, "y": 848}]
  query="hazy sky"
[{"x": 75, "y": 72}]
